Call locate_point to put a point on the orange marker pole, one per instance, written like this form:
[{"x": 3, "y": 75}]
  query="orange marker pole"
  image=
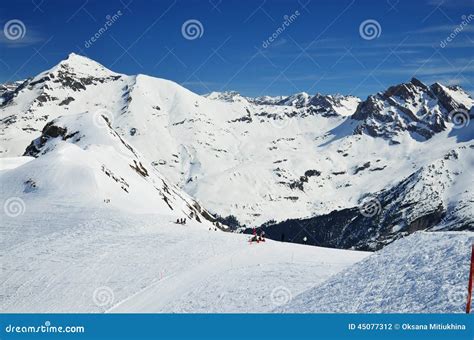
[{"x": 469, "y": 287}]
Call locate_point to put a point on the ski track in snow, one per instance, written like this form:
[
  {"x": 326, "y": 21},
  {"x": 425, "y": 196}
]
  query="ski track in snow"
[
  {"x": 426, "y": 272},
  {"x": 149, "y": 264}
]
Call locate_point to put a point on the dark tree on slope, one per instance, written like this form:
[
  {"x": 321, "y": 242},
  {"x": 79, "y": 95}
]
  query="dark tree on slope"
[{"x": 230, "y": 220}]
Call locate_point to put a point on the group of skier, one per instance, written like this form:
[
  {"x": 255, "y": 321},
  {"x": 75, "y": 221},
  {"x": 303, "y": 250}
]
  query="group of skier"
[
  {"x": 257, "y": 237},
  {"x": 181, "y": 221}
]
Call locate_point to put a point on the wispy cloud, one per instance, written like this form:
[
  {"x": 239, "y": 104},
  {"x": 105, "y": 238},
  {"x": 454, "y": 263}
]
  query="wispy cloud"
[
  {"x": 32, "y": 37},
  {"x": 435, "y": 67},
  {"x": 443, "y": 29}
]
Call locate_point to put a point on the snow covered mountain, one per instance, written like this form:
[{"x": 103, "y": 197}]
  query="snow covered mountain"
[
  {"x": 436, "y": 197},
  {"x": 81, "y": 162},
  {"x": 269, "y": 158},
  {"x": 10, "y": 86},
  {"x": 321, "y": 104},
  {"x": 229, "y": 96},
  {"x": 414, "y": 107},
  {"x": 97, "y": 166}
]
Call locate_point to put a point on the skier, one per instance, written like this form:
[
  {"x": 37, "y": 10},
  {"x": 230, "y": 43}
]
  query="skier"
[
  {"x": 255, "y": 237},
  {"x": 262, "y": 236}
]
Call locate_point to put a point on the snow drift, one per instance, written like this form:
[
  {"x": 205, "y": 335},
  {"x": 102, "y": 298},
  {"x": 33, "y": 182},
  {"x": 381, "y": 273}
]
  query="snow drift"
[{"x": 422, "y": 273}]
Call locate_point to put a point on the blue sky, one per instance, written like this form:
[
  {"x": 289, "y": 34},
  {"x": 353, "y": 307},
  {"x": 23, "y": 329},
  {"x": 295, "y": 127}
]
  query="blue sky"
[{"x": 320, "y": 49}]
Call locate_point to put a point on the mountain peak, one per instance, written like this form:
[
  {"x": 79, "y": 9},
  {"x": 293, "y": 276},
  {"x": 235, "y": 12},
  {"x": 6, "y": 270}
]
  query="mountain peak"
[
  {"x": 298, "y": 100},
  {"x": 226, "y": 96},
  {"x": 74, "y": 58},
  {"x": 83, "y": 65},
  {"x": 405, "y": 90},
  {"x": 418, "y": 83},
  {"x": 73, "y": 55},
  {"x": 411, "y": 107},
  {"x": 74, "y": 72}
]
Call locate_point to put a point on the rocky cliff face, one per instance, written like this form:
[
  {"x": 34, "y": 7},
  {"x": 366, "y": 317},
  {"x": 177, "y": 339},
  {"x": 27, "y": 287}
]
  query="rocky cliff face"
[{"x": 415, "y": 107}]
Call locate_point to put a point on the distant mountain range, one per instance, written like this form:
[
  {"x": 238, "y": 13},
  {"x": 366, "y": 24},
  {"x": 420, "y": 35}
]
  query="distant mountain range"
[{"x": 329, "y": 170}]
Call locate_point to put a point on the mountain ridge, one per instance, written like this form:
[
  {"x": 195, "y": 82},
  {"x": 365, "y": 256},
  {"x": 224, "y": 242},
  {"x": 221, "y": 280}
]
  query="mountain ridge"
[{"x": 257, "y": 159}]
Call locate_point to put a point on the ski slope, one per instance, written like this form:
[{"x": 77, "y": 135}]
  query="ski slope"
[
  {"x": 106, "y": 261},
  {"x": 422, "y": 273}
]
